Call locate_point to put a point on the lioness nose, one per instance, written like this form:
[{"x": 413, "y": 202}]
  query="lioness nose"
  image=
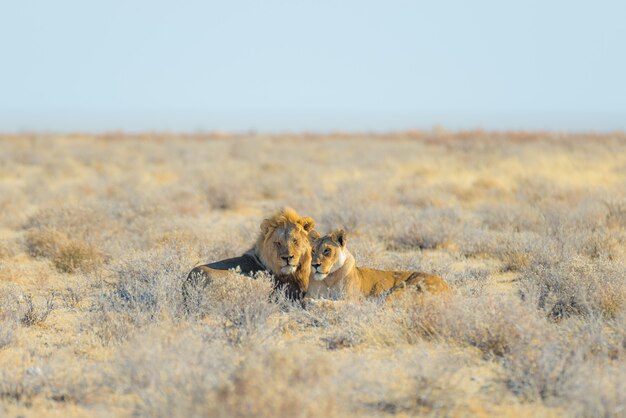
[
  {"x": 316, "y": 265},
  {"x": 287, "y": 257}
]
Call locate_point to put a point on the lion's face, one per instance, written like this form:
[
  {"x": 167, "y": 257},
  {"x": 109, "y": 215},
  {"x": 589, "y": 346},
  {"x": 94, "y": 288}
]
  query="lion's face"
[
  {"x": 287, "y": 245},
  {"x": 285, "y": 242},
  {"x": 328, "y": 254}
]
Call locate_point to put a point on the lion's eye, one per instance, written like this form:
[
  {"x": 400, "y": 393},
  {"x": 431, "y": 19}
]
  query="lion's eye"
[
  {"x": 327, "y": 251},
  {"x": 277, "y": 244},
  {"x": 294, "y": 241}
]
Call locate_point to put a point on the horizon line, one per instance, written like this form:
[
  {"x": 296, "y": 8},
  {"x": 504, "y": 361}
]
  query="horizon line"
[{"x": 298, "y": 121}]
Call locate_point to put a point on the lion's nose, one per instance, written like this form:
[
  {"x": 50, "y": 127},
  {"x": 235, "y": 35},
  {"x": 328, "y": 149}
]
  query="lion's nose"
[{"x": 287, "y": 257}]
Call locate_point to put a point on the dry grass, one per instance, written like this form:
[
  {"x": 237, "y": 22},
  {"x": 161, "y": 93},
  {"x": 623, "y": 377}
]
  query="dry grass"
[{"x": 97, "y": 234}]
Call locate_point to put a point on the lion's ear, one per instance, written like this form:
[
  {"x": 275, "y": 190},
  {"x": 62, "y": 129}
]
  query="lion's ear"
[
  {"x": 265, "y": 226},
  {"x": 307, "y": 223},
  {"x": 339, "y": 236}
]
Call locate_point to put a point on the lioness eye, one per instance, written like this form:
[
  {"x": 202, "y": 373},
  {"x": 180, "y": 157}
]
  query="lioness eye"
[
  {"x": 277, "y": 244},
  {"x": 326, "y": 251}
]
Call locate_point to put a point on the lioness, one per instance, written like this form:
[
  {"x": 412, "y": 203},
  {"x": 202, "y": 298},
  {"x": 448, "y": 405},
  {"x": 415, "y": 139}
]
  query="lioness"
[
  {"x": 282, "y": 249},
  {"x": 335, "y": 275}
]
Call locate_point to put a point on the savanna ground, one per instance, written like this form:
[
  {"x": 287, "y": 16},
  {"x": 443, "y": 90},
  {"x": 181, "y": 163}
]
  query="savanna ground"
[{"x": 97, "y": 232}]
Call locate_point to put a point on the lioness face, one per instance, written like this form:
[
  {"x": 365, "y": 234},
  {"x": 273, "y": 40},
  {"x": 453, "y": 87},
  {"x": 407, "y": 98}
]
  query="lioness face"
[
  {"x": 328, "y": 254},
  {"x": 288, "y": 244}
]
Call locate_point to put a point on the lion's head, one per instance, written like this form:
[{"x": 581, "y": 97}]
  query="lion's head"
[
  {"x": 328, "y": 253},
  {"x": 284, "y": 247}
]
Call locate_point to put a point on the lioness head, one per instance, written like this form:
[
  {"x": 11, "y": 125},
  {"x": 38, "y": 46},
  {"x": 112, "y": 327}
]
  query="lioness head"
[
  {"x": 284, "y": 246},
  {"x": 328, "y": 253}
]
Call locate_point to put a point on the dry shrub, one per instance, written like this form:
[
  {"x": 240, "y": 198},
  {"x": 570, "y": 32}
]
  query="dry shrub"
[
  {"x": 205, "y": 376},
  {"x": 368, "y": 323},
  {"x": 412, "y": 381},
  {"x": 10, "y": 299},
  {"x": 78, "y": 384},
  {"x": 73, "y": 294},
  {"x": 60, "y": 378},
  {"x": 472, "y": 281},
  {"x": 576, "y": 286},
  {"x": 515, "y": 260},
  {"x": 514, "y": 250},
  {"x": 77, "y": 256},
  {"x": 511, "y": 218},
  {"x": 43, "y": 243},
  {"x": 276, "y": 382},
  {"x": 171, "y": 371},
  {"x": 67, "y": 255},
  {"x": 74, "y": 238},
  {"x": 430, "y": 228},
  {"x": 346, "y": 324},
  {"x": 10, "y": 313},
  {"x": 541, "y": 369},
  {"x": 7, "y": 332},
  {"x": 8, "y": 248},
  {"x": 90, "y": 223},
  {"x": 332, "y": 218},
  {"x": 578, "y": 366},
  {"x": 193, "y": 370},
  {"x": 597, "y": 389},
  {"x": 34, "y": 314},
  {"x": 242, "y": 305},
  {"x": 495, "y": 324},
  {"x": 18, "y": 308},
  {"x": 542, "y": 361},
  {"x": 147, "y": 289},
  {"x": 20, "y": 386},
  {"x": 597, "y": 384},
  {"x": 580, "y": 229},
  {"x": 616, "y": 214},
  {"x": 223, "y": 197},
  {"x": 14, "y": 203}
]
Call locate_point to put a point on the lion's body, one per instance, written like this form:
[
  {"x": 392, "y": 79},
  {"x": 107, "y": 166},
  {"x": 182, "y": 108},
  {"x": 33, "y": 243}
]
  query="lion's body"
[
  {"x": 282, "y": 249},
  {"x": 335, "y": 274},
  {"x": 247, "y": 264}
]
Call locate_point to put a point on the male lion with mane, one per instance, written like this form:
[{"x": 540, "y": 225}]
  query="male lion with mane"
[
  {"x": 282, "y": 249},
  {"x": 335, "y": 275}
]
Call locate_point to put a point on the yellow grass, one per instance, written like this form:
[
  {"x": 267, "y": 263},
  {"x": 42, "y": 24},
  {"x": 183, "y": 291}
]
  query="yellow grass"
[{"x": 97, "y": 232}]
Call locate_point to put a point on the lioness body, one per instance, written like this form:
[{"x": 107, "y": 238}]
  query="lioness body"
[
  {"x": 335, "y": 275},
  {"x": 282, "y": 249}
]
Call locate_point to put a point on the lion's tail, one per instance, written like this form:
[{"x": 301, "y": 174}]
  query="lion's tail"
[{"x": 424, "y": 282}]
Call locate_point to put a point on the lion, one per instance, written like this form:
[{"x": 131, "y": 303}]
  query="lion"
[
  {"x": 283, "y": 249},
  {"x": 335, "y": 275}
]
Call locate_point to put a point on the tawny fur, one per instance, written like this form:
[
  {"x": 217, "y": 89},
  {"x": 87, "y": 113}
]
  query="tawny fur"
[
  {"x": 335, "y": 275},
  {"x": 283, "y": 235}
]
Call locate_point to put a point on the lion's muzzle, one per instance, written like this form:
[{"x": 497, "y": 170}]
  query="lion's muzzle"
[
  {"x": 288, "y": 269},
  {"x": 318, "y": 275}
]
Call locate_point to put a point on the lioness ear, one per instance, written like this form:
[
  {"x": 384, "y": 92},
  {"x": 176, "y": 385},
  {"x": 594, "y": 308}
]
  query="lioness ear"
[
  {"x": 339, "y": 236},
  {"x": 307, "y": 223}
]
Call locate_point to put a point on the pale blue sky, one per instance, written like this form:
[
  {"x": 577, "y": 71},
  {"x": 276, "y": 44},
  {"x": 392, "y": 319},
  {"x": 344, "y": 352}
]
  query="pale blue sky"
[{"x": 316, "y": 65}]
